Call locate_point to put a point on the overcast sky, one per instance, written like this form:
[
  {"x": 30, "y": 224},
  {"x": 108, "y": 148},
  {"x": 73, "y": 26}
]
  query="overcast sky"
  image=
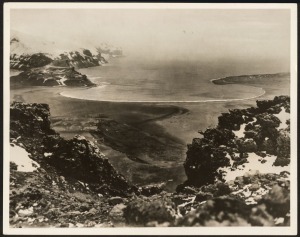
[{"x": 262, "y": 35}]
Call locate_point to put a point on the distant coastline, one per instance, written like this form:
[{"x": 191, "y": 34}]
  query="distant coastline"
[
  {"x": 218, "y": 81},
  {"x": 246, "y": 78}
]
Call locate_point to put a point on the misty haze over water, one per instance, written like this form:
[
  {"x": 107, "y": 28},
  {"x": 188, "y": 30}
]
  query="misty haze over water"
[{"x": 232, "y": 41}]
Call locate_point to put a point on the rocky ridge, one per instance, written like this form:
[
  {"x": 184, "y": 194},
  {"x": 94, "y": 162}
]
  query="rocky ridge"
[
  {"x": 28, "y": 61},
  {"x": 51, "y": 76},
  {"x": 75, "y": 185},
  {"x": 242, "y": 136},
  {"x": 23, "y": 56},
  {"x": 79, "y": 59},
  {"x": 48, "y": 65}
]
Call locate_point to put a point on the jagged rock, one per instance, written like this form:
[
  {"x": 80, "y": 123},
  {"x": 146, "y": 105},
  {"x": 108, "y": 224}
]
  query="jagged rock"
[
  {"x": 51, "y": 76},
  {"x": 140, "y": 212},
  {"x": 260, "y": 153},
  {"x": 269, "y": 146},
  {"x": 246, "y": 145},
  {"x": 281, "y": 161},
  {"x": 288, "y": 123},
  {"x": 77, "y": 59},
  {"x": 84, "y": 207},
  {"x": 207, "y": 154},
  {"x": 264, "y": 105},
  {"x": 277, "y": 201},
  {"x": 283, "y": 144},
  {"x": 13, "y": 166},
  {"x": 218, "y": 136},
  {"x": 76, "y": 158},
  {"x": 259, "y": 216},
  {"x": 250, "y": 134},
  {"x": 268, "y": 120},
  {"x": 254, "y": 187},
  {"x": 152, "y": 189},
  {"x": 116, "y": 215},
  {"x": 81, "y": 159},
  {"x": 202, "y": 162},
  {"x": 275, "y": 109},
  {"x": 28, "y": 61},
  {"x": 282, "y": 99},
  {"x": 189, "y": 190},
  {"x": 93, "y": 211},
  {"x": 115, "y": 200},
  {"x": 227, "y": 212},
  {"x": 231, "y": 121},
  {"x": 201, "y": 196},
  {"x": 29, "y": 120},
  {"x": 217, "y": 189},
  {"x": 217, "y": 212}
]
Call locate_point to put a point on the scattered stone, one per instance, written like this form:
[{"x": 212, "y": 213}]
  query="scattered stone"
[
  {"x": 25, "y": 212},
  {"x": 115, "y": 200},
  {"x": 116, "y": 215}
]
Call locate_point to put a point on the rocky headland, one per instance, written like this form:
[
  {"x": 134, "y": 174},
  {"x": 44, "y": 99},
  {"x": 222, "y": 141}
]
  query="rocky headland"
[
  {"x": 237, "y": 175},
  {"x": 250, "y": 79},
  {"x": 51, "y": 76},
  {"x": 79, "y": 59},
  {"x": 23, "y": 56},
  {"x": 48, "y": 65}
]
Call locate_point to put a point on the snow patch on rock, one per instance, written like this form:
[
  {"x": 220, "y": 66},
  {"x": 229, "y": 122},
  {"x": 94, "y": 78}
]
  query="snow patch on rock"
[
  {"x": 283, "y": 117},
  {"x": 20, "y": 157},
  {"x": 254, "y": 165}
]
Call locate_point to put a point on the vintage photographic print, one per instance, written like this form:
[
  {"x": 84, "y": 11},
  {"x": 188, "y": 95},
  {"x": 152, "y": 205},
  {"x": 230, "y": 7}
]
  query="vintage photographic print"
[{"x": 181, "y": 118}]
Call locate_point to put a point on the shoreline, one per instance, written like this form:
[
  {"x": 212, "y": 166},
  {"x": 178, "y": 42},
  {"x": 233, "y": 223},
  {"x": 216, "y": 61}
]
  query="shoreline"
[{"x": 171, "y": 101}]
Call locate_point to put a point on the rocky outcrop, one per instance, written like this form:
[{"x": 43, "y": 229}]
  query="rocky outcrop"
[
  {"x": 77, "y": 158},
  {"x": 220, "y": 147},
  {"x": 151, "y": 189},
  {"x": 202, "y": 162},
  {"x": 28, "y": 61},
  {"x": 27, "y": 52},
  {"x": 51, "y": 76},
  {"x": 79, "y": 59},
  {"x": 226, "y": 211},
  {"x": 155, "y": 211},
  {"x": 83, "y": 161},
  {"x": 46, "y": 199}
]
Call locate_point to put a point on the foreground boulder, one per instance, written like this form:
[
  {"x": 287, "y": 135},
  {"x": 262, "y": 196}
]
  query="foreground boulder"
[
  {"x": 150, "y": 212},
  {"x": 227, "y": 212}
]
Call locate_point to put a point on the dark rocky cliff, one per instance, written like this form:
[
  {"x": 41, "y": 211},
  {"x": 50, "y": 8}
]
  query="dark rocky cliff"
[
  {"x": 27, "y": 61},
  {"x": 78, "y": 59},
  {"x": 261, "y": 136},
  {"x": 51, "y": 76},
  {"x": 76, "y": 158}
]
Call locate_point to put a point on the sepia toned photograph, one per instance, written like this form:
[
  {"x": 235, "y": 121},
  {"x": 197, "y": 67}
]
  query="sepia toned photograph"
[{"x": 181, "y": 118}]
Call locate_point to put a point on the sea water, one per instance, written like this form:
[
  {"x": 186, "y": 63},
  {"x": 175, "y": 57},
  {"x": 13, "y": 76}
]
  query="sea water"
[{"x": 125, "y": 80}]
